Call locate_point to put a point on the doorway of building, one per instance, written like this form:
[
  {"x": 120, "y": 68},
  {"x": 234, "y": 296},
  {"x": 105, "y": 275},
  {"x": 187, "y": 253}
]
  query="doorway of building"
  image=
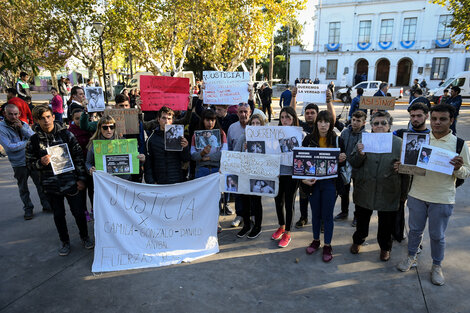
[
  {"x": 404, "y": 72},
  {"x": 362, "y": 68},
  {"x": 382, "y": 70}
]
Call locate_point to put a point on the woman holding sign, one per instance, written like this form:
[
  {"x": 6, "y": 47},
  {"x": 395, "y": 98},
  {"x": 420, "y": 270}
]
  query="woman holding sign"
[
  {"x": 377, "y": 186},
  {"x": 323, "y": 192}
]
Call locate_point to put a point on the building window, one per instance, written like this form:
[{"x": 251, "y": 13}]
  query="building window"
[
  {"x": 331, "y": 69},
  {"x": 439, "y": 68},
  {"x": 444, "y": 29},
  {"x": 409, "y": 29},
  {"x": 364, "y": 31},
  {"x": 333, "y": 37},
  {"x": 386, "y": 30},
  {"x": 467, "y": 64}
]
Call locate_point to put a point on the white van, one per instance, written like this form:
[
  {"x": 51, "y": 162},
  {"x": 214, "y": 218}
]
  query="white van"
[{"x": 461, "y": 80}]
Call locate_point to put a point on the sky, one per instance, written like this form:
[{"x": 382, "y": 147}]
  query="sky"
[{"x": 306, "y": 16}]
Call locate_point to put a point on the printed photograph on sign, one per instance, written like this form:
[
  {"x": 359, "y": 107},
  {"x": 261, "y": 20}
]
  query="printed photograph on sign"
[
  {"x": 173, "y": 134},
  {"x": 332, "y": 167},
  {"x": 412, "y": 143},
  {"x": 299, "y": 167},
  {"x": 288, "y": 144},
  {"x": 61, "y": 161},
  {"x": 425, "y": 155},
  {"x": 319, "y": 163},
  {"x": 262, "y": 186},
  {"x": 207, "y": 137},
  {"x": 231, "y": 183},
  {"x": 436, "y": 159},
  {"x": 321, "y": 168},
  {"x": 118, "y": 163},
  {"x": 95, "y": 98},
  {"x": 256, "y": 147}
]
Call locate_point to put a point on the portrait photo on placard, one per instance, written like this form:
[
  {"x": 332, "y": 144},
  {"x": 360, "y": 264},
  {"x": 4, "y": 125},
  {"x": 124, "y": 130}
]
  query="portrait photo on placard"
[
  {"x": 425, "y": 155},
  {"x": 205, "y": 138},
  {"x": 321, "y": 167},
  {"x": 310, "y": 168},
  {"x": 332, "y": 167},
  {"x": 95, "y": 98},
  {"x": 299, "y": 167},
  {"x": 231, "y": 183},
  {"x": 118, "y": 163},
  {"x": 412, "y": 144},
  {"x": 61, "y": 161},
  {"x": 288, "y": 144},
  {"x": 262, "y": 186},
  {"x": 256, "y": 147},
  {"x": 173, "y": 134}
]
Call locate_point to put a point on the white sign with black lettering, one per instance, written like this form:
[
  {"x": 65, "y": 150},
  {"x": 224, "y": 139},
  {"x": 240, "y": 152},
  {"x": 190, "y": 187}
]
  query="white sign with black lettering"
[{"x": 311, "y": 93}]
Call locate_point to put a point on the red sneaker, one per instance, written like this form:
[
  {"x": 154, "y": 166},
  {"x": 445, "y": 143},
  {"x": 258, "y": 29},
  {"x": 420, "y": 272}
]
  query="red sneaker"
[
  {"x": 327, "y": 254},
  {"x": 285, "y": 240},
  {"x": 313, "y": 246},
  {"x": 278, "y": 234}
]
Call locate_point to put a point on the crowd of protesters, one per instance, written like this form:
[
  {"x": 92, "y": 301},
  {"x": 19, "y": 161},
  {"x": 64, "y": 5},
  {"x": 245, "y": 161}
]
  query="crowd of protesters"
[{"x": 378, "y": 186}]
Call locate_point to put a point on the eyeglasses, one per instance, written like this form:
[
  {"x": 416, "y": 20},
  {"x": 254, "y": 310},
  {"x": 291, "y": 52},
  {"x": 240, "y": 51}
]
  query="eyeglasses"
[
  {"x": 106, "y": 127},
  {"x": 383, "y": 123}
]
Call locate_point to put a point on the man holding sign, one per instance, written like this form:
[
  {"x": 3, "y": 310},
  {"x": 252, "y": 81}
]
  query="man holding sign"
[{"x": 433, "y": 196}]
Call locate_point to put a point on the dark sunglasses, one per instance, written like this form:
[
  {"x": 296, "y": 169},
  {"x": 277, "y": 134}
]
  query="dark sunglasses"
[
  {"x": 106, "y": 127},
  {"x": 381, "y": 122}
]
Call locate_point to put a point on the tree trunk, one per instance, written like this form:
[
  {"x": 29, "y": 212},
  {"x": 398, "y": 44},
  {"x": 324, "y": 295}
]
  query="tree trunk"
[
  {"x": 271, "y": 62},
  {"x": 54, "y": 79}
]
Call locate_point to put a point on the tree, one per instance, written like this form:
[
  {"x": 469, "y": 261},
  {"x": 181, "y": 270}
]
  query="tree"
[{"x": 460, "y": 24}]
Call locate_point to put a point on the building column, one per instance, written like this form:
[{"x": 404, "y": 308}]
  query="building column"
[
  {"x": 371, "y": 72},
  {"x": 392, "y": 75}
]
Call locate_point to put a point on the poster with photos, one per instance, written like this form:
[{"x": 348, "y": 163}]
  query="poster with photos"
[{"x": 318, "y": 163}]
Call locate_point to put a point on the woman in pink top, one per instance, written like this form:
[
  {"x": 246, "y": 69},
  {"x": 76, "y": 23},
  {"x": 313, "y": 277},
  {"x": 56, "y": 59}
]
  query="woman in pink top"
[{"x": 57, "y": 105}]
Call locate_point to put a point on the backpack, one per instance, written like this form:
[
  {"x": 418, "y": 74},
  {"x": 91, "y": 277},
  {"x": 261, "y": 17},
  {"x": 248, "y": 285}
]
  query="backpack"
[{"x": 460, "y": 143}]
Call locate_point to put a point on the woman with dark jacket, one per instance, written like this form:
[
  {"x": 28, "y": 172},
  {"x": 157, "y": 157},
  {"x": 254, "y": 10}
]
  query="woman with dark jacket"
[
  {"x": 323, "y": 192},
  {"x": 377, "y": 186}
]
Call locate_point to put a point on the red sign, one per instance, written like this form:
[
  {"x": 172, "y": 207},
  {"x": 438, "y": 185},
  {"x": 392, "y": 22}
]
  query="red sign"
[{"x": 159, "y": 91}]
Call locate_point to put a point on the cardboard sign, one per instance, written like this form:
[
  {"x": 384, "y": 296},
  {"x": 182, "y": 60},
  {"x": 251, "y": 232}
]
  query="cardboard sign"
[
  {"x": 318, "y": 163},
  {"x": 127, "y": 120},
  {"x": 141, "y": 225},
  {"x": 225, "y": 87},
  {"x": 116, "y": 157},
  {"x": 311, "y": 93},
  {"x": 160, "y": 91},
  {"x": 380, "y": 103},
  {"x": 411, "y": 170}
]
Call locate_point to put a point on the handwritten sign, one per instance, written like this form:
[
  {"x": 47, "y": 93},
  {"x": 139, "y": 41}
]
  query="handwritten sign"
[
  {"x": 380, "y": 103},
  {"x": 127, "y": 120},
  {"x": 159, "y": 91},
  {"x": 141, "y": 226},
  {"x": 116, "y": 156},
  {"x": 377, "y": 142},
  {"x": 249, "y": 173},
  {"x": 311, "y": 93},
  {"x": 411, "y": 170},
  {"x": 225, "y": 87}
]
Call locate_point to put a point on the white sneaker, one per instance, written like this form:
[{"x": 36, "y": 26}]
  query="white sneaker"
[
  {"x": 437, "y": 278},
  {"x": 237, "y": 221},
  {"x": 407, "y": 264}
]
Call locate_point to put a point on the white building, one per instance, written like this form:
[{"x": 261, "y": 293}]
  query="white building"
[{"x": 393, "y": 41}]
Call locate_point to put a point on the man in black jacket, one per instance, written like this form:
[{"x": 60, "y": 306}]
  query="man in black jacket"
[
  {"x": 161, "y": 166},
  {"x": 70, "y": 183}
]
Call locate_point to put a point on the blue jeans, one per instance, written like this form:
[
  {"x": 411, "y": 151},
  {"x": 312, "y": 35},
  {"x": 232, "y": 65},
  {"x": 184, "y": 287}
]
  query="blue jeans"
[
  {"x": 21, "y": 174},
  {"x": 322, "y": 203},
  {"x": 202, "y": 171},
  {"x": 438, "y": 215}
]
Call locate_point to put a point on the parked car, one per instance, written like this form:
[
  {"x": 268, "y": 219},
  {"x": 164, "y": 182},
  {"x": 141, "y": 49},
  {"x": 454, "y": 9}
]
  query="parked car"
[
  {"x": 461, "y": 80},
  {"x": 370, "y": 88}
]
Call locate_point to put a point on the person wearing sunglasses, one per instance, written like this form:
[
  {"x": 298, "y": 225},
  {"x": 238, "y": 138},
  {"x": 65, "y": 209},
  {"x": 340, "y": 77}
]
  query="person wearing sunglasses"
[{"x": 377, "y": 187}]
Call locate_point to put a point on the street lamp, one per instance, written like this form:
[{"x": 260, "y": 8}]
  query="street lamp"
[{"x": 99, "y": 27}]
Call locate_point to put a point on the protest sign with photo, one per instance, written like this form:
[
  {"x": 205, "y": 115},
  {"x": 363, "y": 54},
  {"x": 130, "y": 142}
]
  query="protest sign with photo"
[
  {"x": 160, "y": 91},
  {"x": 377, "y": 142},
  {"x": 61, "y": 161},
  {"x": 318, "y": 163},
  {"x": 311, "y": 93},
  {"x": 277, "y": 140},
  {"x": 380, "y": 103},
  {"x": 173, "y": 134},
  {"x": 95, "y": 98},
  {"x": 249, "y": 173},
  {"x": 411, "y": 145},
  {"x": 141, "y": 226},
  {"x": 207, "y": 137},
  {"x": 127, "y": 120},
  {"x": 436, "y": 159},
  {"x": 117, "y": 156},
  {"x": 225, "y": 87}
]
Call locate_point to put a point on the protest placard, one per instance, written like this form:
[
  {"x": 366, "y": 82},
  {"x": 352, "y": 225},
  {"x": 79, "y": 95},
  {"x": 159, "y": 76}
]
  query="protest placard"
[
  {"x": 95, "y": 98},
  {"x": 248, "y": 173},
  {"x": 380, "y": 103},
  {"x": 436, "y": 159},
  {"x": 377, "y": 142},
  {"x": 140, "y": 226},
  {"x": 173, "y": 134},
  {"x": 318, "y": 163},
  {"x": 207, "y": 137},
  {"x": 411, "y": 170},
  {"x": 411, "y": 145},
  {"x": 127, "y": 120},
  {"x": 61, "y": 161},
  {"x": 225, "y": 87},
  {"x": 311, "y": 93},
  {"x": 276, "y": 140},
  {"x": 117, "y": 156},
  {"x": 159, "y": 91}
]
